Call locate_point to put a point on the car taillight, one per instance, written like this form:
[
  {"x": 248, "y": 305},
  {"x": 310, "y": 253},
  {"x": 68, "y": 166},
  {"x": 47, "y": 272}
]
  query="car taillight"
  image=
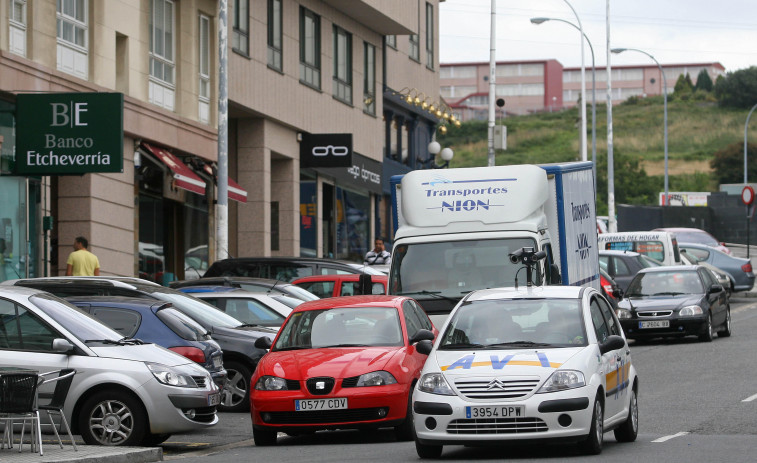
[
  {"x": 192, "y": 353},
  {"x": 608, "y": 289},
  {"x": 747, "y": 267}
]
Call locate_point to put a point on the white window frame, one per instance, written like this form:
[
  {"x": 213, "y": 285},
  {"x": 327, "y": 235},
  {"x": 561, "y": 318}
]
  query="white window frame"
[
  {"x": 203, "y": 91},
  {"x": 73, "y": 57},
  {"x": 17, "y": 28},
  {"x": 162, "y": 92}
]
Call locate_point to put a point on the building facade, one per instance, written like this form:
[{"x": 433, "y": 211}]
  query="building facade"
[{"x": 295, "y": 69}]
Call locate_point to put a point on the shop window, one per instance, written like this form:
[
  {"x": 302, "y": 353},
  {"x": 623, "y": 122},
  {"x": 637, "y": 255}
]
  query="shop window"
[
  {"x": 352, "y": 224},
  {"x": 308, "y": 216},
  {"x": 72, "y": 37}
]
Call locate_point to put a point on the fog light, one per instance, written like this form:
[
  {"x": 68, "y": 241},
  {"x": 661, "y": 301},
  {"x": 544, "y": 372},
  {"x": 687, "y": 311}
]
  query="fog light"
[
  {"x": 564, "y": 420},
  {"x": 190, "y": 413},
  {"x": 266, "y": 417},
  {"x": 430, "y": 423},
  {"x": 381, "y": 412}
]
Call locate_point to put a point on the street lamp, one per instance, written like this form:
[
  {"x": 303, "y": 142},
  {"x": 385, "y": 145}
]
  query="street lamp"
[
  {"x": 538, "y": 21},
  {"x": 665, "y": 109},
  {"x": 435, "y": 148},
  {"x": 583, "y": 84},
  {"x": 746, "y": 124}
]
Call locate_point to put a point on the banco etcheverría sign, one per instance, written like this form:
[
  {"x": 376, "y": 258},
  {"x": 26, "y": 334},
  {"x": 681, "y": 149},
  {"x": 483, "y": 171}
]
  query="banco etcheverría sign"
[{"x": 69, "y": 133}]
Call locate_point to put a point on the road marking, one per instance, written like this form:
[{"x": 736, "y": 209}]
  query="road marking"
[
  {"x": 750, "y": 398},
  {"x": 667, "y": 438}
]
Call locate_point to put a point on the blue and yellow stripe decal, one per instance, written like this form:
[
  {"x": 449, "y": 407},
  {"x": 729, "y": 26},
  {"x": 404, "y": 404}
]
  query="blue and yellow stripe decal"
[{"x": 617, "y": 380}]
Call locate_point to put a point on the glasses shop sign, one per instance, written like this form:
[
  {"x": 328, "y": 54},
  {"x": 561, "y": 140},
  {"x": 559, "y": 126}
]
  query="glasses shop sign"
[{"x": 69, "y": 133}]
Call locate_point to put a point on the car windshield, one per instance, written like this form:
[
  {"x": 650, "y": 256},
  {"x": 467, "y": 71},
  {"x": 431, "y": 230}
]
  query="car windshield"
[
  {"x": 204, "y": 313},
  {"x": 696, "y": 237},
  {"x": 76, "y": 321},
  {"x": 499, "y": 324},
  {"x": 341, "y": 327},
  {"x": 667, "y": 283}
]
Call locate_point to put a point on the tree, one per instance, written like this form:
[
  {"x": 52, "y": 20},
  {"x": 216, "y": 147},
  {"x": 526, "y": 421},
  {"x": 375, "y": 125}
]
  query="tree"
[
  {"x": 738, "y": 89},
  {"x": 728, "y": 163},
  {"x": 704, "y": 82},
  {"x": 683, "y": 85},
  {"x": 632, "y": 184}
]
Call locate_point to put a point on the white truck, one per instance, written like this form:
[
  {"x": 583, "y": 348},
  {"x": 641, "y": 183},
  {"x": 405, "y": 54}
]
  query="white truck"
[{"x": 457, "y": 230}]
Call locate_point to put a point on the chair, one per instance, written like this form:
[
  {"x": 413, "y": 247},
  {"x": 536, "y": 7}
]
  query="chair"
[
  {"x": 18, "y": 394},
  {"x": 63, "y": 384}
]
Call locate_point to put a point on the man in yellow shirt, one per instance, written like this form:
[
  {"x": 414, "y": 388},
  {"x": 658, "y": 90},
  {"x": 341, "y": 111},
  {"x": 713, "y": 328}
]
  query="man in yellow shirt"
[{"x": 81, "y": 262}]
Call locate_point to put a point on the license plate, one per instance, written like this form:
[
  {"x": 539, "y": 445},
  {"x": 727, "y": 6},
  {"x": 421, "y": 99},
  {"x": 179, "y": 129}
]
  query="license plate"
[
  {"x": 214, "y": 399},
  {"x": 218, "y": 361},
  {"x": 320, "y": 404},
  {"x": 501, "y": 411},
  {"x": 655, "y": 324}
]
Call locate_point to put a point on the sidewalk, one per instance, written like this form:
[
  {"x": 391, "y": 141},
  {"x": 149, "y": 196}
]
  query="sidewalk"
[{"x": 84, "y": 454}]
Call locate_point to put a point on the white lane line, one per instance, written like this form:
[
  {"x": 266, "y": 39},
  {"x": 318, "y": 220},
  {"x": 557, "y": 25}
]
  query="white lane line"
[
  {"x": 750, "y": 398},
  {"x": 667, "y": 438}
]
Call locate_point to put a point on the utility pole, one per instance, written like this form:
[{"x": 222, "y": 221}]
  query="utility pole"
[
  {"x": 492, "y": 80},
  {"x": 222, "y": 208}
]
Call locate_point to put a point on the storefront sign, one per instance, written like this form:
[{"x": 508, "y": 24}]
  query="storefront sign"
[
  {"x": 69, "y": 133},
  {"x": 326, "y": 150},
  {"x": 363, "y": 174}
]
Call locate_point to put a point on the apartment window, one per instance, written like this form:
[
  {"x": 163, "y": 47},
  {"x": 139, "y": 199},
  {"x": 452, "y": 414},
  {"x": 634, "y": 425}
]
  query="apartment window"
[
  {"x": 369, "y": 78},
  {"x": 204, "y": 89},
  {"x": 342, "y": 65},
  {"x": 414, "y": 51},
  {"x": 162, "y": 85},
  {"x": 72, "y": 37},
  {"x": 310, "y": 48},
  {"x": 429, "y": 35},
  {"x": 391, "y": 40},
  {"x": 240, "y": 37},
  {"x": 274, "y": 34},
  {"x": 17, "y": 27}
]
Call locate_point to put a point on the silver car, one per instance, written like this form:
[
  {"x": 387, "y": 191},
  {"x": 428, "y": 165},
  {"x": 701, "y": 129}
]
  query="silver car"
[{"x": 124, "y": 392}]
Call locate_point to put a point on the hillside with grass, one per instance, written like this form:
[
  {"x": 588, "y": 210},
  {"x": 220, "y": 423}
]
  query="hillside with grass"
[{"x": 696, "y": 131}]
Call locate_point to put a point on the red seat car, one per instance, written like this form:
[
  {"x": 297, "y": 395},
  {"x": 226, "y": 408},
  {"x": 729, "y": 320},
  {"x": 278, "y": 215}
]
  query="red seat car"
[
  {"x": 339, "y": 285},
  {"x": 341, "y": 363}
]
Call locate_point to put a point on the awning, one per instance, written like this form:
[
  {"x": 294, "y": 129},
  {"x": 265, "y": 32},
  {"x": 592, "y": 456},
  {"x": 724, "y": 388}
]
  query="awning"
[
  {"x": 235, "y": 191},
  {"x": 182, "y": 174}
]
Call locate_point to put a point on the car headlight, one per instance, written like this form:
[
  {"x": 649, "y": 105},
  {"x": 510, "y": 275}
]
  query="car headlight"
[
  {"x": 623, "y": 313},
  {"x": 434, "y": 383},
  {"x": 170, "y": 376},
  {"x": 690, "y": 310},
  {"x": 562, "y": 380},
  {"x": 376, "y": 378},
  {"x": 271, "y": 383}
]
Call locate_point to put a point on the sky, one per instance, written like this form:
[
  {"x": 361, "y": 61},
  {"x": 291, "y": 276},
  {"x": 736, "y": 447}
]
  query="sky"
[{"x": 672, "y": 31}]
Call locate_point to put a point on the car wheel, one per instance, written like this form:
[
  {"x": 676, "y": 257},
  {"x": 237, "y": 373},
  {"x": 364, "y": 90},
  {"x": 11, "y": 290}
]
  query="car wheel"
[
  {"x": 592, "y": 445},
  {"x": 263, "y": 437},
  {"x": 151, "y": 440},
  {"x": 707, "y": 335},
  {"x": 726, "y": 331},
  {"x": 235, "y": 395},
  {"x": 428, "y": 451},
  {"x": 628, "y": 431},
  {"x": 406, "y": 431},
  {"x": 112, "y": 417}
]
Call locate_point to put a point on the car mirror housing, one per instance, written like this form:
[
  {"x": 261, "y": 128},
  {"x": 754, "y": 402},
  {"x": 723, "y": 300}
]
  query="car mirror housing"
[
  {"x": 613, "y": 342},
  {"x": 422, "y": 335},
  {"x": 424, "y": 347},
  {"x": 62, "y": 346},
  {"x": 263, "y": 342},
  {"x": 617, "y": 293},
  {"x": 716, "y": 288}
]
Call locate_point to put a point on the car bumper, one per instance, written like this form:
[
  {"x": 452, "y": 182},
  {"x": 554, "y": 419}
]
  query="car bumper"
[
  {"x": 560, "y": 416},
  {"x": 368, "y": 407},
  {"x": 182, "y": 410},
  {"x": 678, "y": 327}
]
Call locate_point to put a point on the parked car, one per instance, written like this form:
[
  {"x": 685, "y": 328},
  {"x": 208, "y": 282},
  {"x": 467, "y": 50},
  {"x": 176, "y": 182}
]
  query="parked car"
[
  {"x": 160, "y": 323},
  {"x": 237, "y": 340},
  {"x": 340, "y": 285},
  {"x": 347, "y": 362},
  {"x": 695, "y": 235},
  {"x": 659, "y": 245},
  {"x": 284, "y": 268},
  {"x": 257, "y": 285},
  {"x": 720, "y": 276},
  {"x": 675, "y": 301},
  {"x": 125, "y": 392},
  {"x": 738, "y": 268},
  {"x": 622, "y": 266},
  {"x": 518, "y": 365},
  {"x": 610, "y": 288},
  {"x": 246, "y": 306}
]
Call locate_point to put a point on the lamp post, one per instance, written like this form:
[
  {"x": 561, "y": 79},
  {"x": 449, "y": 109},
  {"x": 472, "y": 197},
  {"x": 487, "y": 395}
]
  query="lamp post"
[
  {"x": 435, "y": 148},
  {"x": 583, "y": 84},
  {"x": 538, "y": 21},
  {"x": 746, "y": 124},
  {"x": 665, "y": 109}
]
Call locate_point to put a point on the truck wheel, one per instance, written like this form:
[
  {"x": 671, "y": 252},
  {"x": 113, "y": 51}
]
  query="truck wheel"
[
  {"x": 428, "y": 451},
  {"x": 592, "y": 445},
  {"x": 628, "y": 431},
  {"x": 235, "y": 396},
  {"x": 111, "y": 417}
]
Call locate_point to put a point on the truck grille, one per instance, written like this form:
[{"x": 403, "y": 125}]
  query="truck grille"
[
  {"x": 492, "y": 388},
  {"x": 497, "y": 426}
]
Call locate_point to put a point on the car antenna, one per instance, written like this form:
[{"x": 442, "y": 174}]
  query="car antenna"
[{"x": 278, "y": 279}]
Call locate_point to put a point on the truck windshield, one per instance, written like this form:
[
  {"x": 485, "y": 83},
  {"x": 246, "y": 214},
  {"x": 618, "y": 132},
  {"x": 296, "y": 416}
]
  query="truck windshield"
[{"x": 453, "y": 268}]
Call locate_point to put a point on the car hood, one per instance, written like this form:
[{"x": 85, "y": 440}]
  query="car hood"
[
  {"x": 141, "y": 353},
  {"x": 337, "y": 362},
  {"x": 661, "y": 302},
  {"x": 510, "y": 362}
]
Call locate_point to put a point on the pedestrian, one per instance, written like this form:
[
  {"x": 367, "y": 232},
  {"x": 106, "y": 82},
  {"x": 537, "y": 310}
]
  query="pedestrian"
[
  {"x": 378, "y": 255},
  {"x": 81, "y": 262}
]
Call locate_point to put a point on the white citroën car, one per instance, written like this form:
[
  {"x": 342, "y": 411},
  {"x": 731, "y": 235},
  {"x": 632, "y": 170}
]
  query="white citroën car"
[{"x": 529, "y": 364}]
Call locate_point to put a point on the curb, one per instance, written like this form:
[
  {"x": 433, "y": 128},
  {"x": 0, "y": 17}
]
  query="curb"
[{"x": 84, "y": 454}]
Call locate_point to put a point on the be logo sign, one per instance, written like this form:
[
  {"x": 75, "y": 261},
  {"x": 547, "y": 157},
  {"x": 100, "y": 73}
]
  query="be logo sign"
[{"x": 69, "y": 133}]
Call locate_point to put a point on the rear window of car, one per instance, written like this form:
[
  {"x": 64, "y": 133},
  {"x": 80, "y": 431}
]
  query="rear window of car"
[{"x": 182, "y": 325}]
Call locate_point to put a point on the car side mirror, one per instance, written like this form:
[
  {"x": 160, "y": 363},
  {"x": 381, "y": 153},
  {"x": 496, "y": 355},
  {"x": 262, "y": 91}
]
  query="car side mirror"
[
  {"x": 716, "y": 288},
  {"x": 617, "y": 293},
  {"x": 62, "y": 346},
  {"x": 263, "y": 342},
  {"x": 613, "y": 342},
  {"x": 422, "y": 335},
  {"x": 424, "y": 347}
]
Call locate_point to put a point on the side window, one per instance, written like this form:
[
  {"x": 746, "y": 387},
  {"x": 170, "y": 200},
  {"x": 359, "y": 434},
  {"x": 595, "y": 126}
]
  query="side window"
[
  {"x": 411, "y": 319},
  {"x": 334, "y": 271},
  {"x": 288, "y": 272},
  {"x": 676, "y": 252},
  {"x": 620, "y": 267},
  {"x": 604, "y": 263},
  {"x": 707, "y": 278},
  {"x": 425, "y": 322},
  {"x": 22, "y": 330},
  {"x": 349, "y": 288},
  {"x": 214, "y": 301},
  {"x": 600, "y": 326},
  {"x": 319, "y": 288},
  {"x": 700, "y": 254},
  {"x": 249, "y": 311},
  {"x": 378, "y": 288},
  {"x": 125, "y": 322},
  {"x": 612, "y": 323}
]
